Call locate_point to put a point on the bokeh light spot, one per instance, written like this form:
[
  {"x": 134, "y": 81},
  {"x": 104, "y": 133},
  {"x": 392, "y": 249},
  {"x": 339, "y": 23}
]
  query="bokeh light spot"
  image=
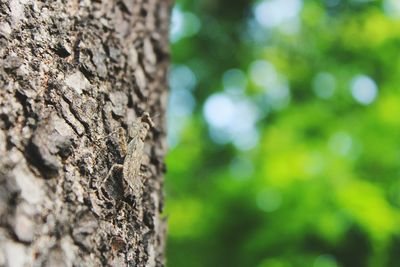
[
  {"x": 183, "y": 24},
  {"x": 278, "y": 97},
  {"x": 275, "y": 86},
  {"x": 241, "y": 168},
  {"x": 364, "y": 89},
  {"x": 332, "y": 3},
  {"x": 324, "y": 85},
  {"x": 341, "y": 143},
  {"x": 325, "y": 261},
  {"x": 392, "y": 8},
  {"x": 272, "y": 13},
  {"x": 234, "y": 79},
  {"x": 181, "y": 102},
  {"x": 219, "y": 110},
  {"x": 247, "y": 139},
  {"x": 180, "y": 106},
  {"x": 263, "y": 73},
  {"x": 269, "y": 199},
  {"x": 232, "y": 118},
  {"x": 181, "y": 76}
]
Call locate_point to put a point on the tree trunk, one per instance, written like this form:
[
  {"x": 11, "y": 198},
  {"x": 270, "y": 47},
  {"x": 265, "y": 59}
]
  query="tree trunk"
[{"x": 72, "y": 73}]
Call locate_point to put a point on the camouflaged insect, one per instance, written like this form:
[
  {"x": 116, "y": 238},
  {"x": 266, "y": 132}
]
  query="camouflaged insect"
[{"x": 133, "y": 153}]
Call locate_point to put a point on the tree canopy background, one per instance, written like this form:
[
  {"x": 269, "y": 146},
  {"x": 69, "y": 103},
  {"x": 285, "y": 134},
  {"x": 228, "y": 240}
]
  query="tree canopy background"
[{"x": 284, "y": 130}]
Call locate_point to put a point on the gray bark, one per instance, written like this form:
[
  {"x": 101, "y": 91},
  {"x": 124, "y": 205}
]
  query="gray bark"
[{"x": 71, "y": 74}]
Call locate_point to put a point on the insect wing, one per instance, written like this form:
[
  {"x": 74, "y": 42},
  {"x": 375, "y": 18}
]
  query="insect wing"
[{"x": 132, "y": 163}]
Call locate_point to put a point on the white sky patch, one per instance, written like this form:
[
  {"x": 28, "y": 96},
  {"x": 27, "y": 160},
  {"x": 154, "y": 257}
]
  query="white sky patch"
[
  {"x": 324, "y": 85},
  {"x": 274, "y": 13},
  {"x": 364, "y": 89}
]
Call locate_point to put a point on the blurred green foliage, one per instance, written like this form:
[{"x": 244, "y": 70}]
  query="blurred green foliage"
[{"x": 284, "y": 125}]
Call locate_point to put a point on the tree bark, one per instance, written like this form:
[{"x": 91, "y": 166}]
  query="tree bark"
[{"x": 71, "y": 74}]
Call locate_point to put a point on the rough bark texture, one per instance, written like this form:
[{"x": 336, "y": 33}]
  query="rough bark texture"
[{"x": 71, "y": 73}]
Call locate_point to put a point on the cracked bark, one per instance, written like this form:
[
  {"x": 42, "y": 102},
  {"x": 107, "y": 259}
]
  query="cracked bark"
[{"x": 71, "y": 73}]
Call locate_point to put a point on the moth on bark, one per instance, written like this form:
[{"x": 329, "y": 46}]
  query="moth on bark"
[{"x": 132, "y": 152}]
